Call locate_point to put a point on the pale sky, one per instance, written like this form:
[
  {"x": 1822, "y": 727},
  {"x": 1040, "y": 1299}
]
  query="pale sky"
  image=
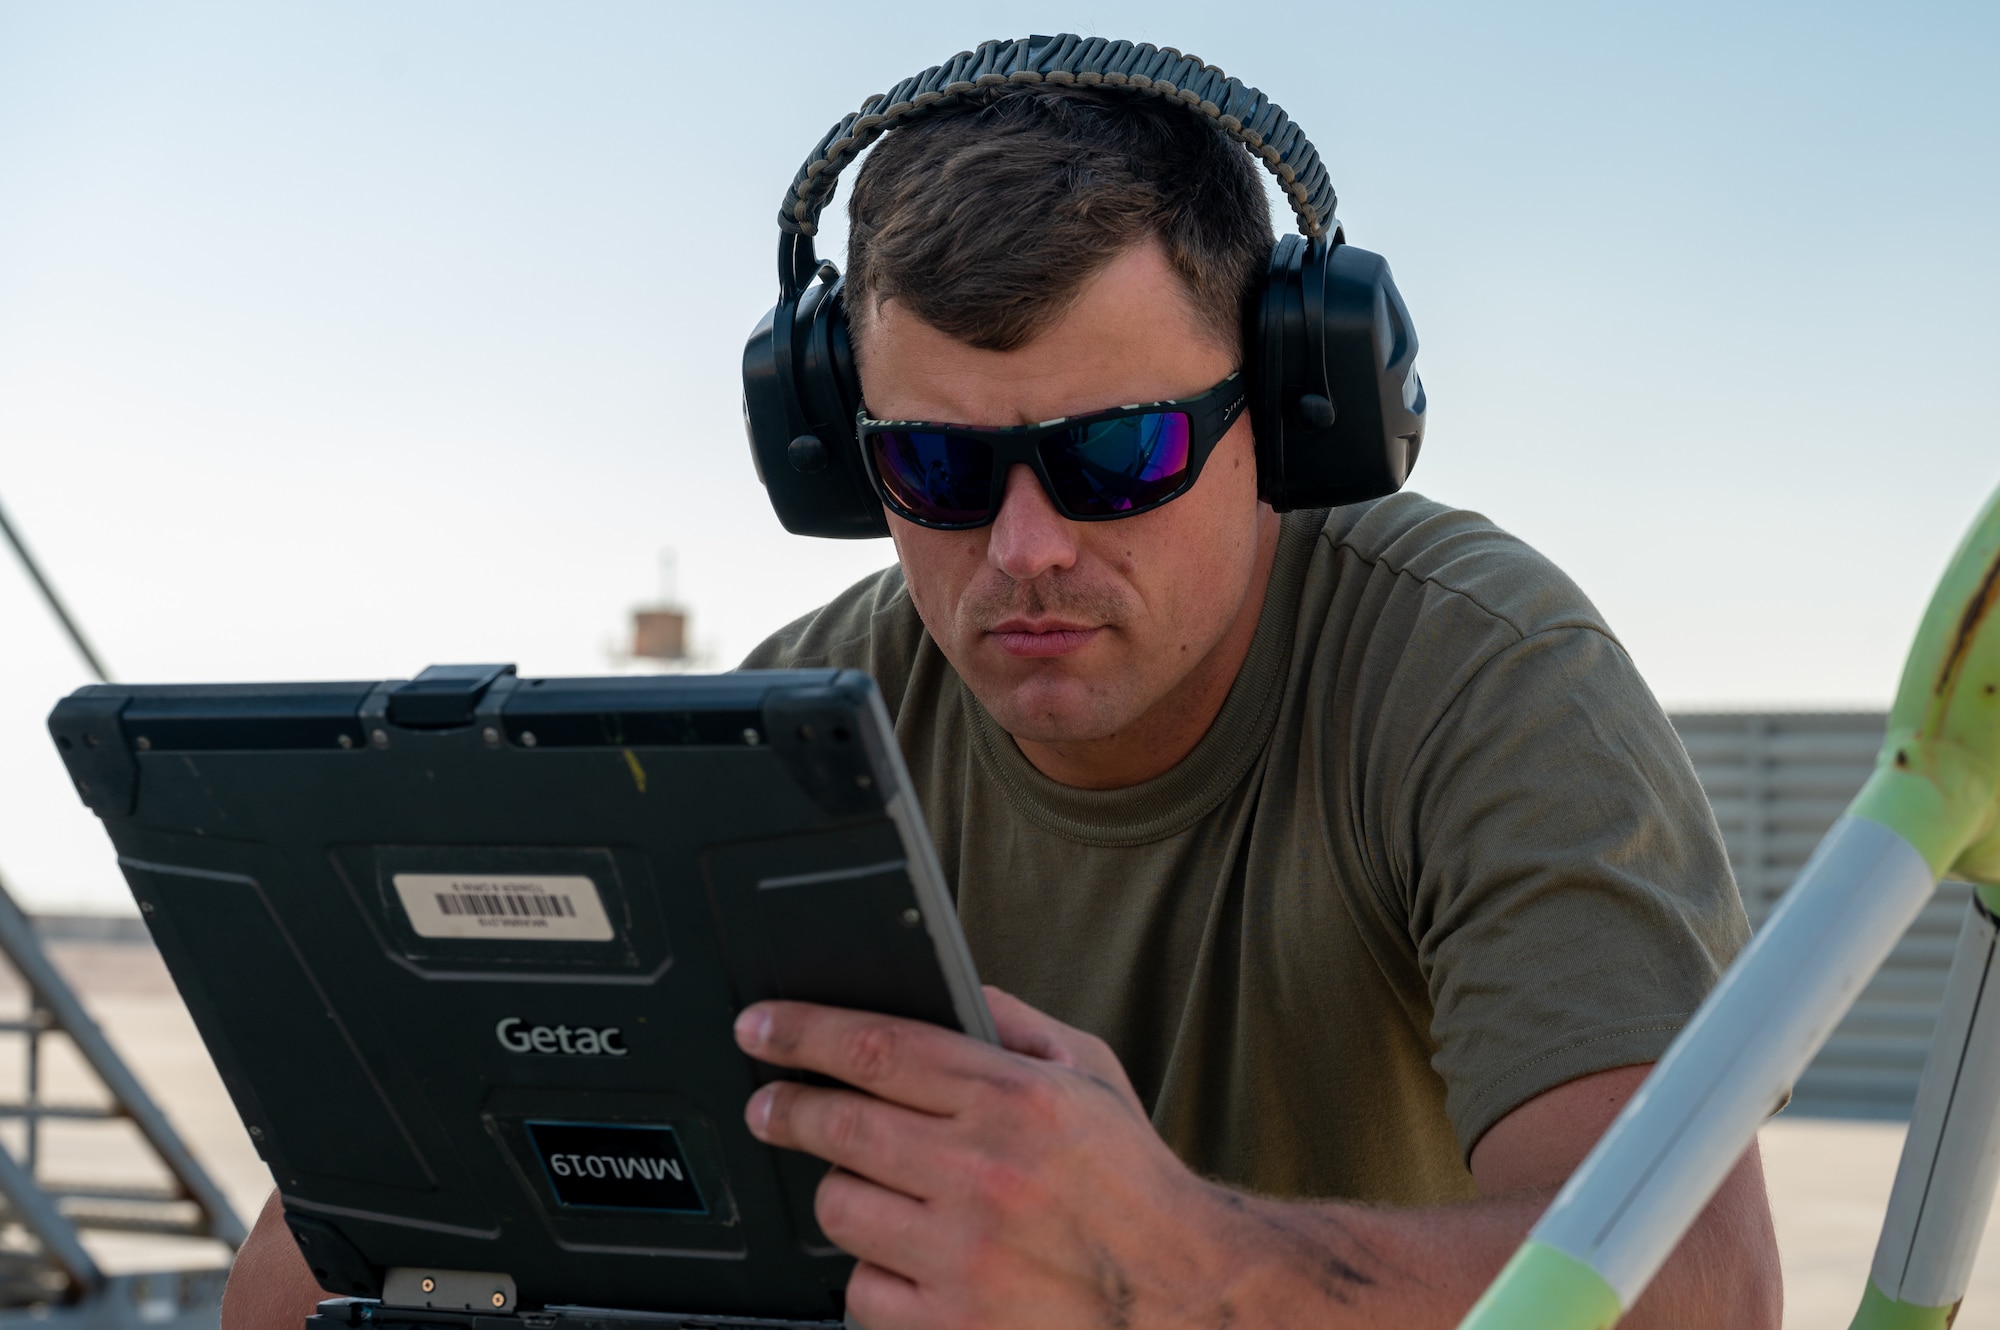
[{"x": 338, "y": 340}]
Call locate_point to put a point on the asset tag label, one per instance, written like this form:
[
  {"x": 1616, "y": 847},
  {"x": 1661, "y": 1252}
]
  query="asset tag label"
[
  {"x": 605, "y": 1167},
  {"x": 516, "y": 907}
]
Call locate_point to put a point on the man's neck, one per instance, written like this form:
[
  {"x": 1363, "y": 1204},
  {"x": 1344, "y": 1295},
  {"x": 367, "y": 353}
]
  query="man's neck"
[{"x": 1155, "y": 743}]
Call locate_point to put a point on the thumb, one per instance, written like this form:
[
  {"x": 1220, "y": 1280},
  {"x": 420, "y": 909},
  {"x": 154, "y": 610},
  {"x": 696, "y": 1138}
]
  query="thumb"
[
  {"x": 1036, "y": 1034},
  {"x": 1027, "y": 1031}
]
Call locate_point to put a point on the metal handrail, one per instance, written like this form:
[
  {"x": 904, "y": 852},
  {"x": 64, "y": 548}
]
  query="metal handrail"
[{"x": 55, "y": 603}]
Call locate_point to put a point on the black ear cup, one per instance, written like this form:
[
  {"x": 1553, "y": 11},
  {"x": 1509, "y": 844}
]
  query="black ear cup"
[
  {"x": 800, "y": 396},
  {"x": 1335, "y": 399}
]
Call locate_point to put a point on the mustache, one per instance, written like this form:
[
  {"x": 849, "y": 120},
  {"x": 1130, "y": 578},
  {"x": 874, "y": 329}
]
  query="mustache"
[{"x": 1058, "y": 594}]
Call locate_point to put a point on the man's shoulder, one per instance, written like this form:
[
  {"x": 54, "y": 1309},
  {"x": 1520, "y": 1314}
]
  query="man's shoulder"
[
  {"x": 870, "y": 626},
  {"x": 1422, "y": 548}
]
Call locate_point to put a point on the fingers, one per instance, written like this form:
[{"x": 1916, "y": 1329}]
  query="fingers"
[
  {"x": 922, "y": 1066},
  {"x": 882, "y": 1227},
  {"x": 888, "y": 1144},
  {"x": 881, "y": 1300}
]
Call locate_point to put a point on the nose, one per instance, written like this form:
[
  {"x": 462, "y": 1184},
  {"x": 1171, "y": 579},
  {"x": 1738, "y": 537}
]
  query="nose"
[{"x": 1028, "y": 536}]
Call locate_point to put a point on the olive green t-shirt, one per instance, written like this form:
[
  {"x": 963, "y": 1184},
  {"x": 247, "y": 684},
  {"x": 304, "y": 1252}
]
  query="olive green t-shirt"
[{"x": 1440, "y": 852}]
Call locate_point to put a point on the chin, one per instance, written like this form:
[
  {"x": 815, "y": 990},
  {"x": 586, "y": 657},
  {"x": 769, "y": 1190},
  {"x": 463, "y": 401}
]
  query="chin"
[{"x": 1053, "y": 711}]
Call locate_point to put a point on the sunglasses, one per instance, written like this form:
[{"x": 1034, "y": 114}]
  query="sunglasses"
[{"x": 1108, "y": 464}]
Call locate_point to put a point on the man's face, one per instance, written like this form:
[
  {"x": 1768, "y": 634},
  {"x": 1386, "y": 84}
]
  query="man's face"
[{"x": 1078, "y": 636}]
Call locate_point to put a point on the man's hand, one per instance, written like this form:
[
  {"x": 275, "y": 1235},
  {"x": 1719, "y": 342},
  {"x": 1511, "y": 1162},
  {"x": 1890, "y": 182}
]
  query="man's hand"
[
  {"x": 1024, "y": 1185},
  {"x": 986, "y": 1186}
]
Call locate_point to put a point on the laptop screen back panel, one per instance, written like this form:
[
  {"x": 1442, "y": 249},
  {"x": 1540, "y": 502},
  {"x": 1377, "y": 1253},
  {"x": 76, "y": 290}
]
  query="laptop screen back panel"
[{"x": 471, "y": 986}]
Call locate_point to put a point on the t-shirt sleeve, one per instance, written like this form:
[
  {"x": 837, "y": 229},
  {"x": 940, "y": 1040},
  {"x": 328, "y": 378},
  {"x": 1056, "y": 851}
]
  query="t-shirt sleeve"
[{"x": 1568, "y": 893}]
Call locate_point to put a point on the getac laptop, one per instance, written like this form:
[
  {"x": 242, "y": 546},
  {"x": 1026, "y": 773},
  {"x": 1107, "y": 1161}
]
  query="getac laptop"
[{"x": 467, "y": 950}]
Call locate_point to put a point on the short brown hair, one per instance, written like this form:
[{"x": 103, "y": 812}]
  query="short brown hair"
[{"x": 987, "y": 219}]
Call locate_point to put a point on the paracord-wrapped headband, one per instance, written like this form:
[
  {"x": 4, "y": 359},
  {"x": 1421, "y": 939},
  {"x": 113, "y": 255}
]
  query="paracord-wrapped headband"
[{"x": 1244, "y": 113}]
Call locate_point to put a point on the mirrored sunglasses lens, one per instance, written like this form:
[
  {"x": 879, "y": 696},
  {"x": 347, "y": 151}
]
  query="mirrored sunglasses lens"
[
  {"x": 934, "y": 477},
  {"x": 1118, "y": 465}
]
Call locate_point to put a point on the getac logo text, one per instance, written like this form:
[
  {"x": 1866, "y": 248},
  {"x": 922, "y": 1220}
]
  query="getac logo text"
[{"x": 517, "y": 1036}]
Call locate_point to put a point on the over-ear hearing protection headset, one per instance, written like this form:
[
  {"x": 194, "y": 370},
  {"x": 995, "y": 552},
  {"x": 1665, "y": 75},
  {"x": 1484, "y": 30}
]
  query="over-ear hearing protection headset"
[{"x": 1328, "y": 349}]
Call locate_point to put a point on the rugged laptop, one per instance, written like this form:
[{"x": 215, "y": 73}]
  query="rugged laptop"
[{"x": 466, "y": 950}]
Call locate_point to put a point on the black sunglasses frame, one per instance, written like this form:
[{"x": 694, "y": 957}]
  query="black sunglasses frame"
[{"x": 1210, "y": 415}]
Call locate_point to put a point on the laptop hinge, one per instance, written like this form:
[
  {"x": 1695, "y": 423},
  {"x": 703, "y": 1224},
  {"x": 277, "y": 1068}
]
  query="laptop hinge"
[{"x": 486, "y": 1291}]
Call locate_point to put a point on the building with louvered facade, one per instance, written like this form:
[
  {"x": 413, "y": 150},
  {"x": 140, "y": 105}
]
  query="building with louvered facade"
[{"x": 1777, "y": 781}]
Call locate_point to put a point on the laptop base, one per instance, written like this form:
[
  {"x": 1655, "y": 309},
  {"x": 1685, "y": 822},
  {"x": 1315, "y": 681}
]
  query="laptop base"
[{"x": 368, "y": 1314}]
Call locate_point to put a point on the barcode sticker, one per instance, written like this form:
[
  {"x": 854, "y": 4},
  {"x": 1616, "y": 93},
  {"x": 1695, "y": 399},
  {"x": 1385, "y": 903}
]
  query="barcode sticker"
[{"x": 504, "y": 905}]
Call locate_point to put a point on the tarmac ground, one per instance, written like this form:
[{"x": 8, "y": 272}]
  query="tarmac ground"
[{"x": 1829, "y": 1180}]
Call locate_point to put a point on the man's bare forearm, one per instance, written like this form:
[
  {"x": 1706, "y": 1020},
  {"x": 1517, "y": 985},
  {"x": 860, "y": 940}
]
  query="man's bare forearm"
[
  {"x": 1333, "y": 1264},
  {"x": 270, "y": 1287},
  {"x": 1309, "y": 1264}
]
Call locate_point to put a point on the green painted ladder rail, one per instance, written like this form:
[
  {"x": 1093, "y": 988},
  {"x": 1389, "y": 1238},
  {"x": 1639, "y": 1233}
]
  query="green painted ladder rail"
[{"x": 1931, "y": 808}]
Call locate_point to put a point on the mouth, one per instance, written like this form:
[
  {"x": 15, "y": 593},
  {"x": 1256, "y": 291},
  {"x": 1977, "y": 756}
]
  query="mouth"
[{"x": 1042, "y": 637}]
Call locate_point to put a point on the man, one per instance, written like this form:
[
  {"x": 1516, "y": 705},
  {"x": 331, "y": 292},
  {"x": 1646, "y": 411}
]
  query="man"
[{"x": 1336, "y": 873}]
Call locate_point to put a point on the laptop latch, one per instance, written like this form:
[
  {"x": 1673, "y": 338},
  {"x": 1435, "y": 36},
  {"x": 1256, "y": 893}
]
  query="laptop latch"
[{"x": 443, "y": 697}]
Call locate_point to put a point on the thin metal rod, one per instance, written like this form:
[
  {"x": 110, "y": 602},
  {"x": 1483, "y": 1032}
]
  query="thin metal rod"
[
  {"x": 96, "y": 1191},
  {"x": 55, "y": 603},
  {"x": 37, "y": 1210},
  {"x": 66, "y": 1112},
  {"x": 31, "y": 1156}
]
